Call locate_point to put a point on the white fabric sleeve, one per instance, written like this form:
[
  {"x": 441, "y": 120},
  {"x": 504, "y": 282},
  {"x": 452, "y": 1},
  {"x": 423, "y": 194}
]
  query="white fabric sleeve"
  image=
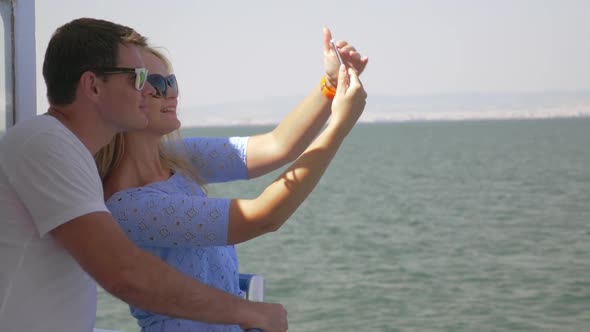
[{"x": 56, "y": 178}]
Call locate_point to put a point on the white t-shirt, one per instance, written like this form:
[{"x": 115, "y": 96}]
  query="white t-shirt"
[{"x": 47, "y": 178}]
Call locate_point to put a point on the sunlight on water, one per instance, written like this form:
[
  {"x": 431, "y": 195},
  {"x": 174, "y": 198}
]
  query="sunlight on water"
[{"x": 432, "y": 226}]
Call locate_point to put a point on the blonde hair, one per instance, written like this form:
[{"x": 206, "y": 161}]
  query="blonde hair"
[{"x": 172, "y": 150}]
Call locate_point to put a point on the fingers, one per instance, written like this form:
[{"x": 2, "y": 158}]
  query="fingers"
[
  {"x": 345, "y": 48},
  {"x": 353, "y": 78},
  {"x": 363, "y": 63},
  {"x": 342, "y": 80},
  {"x": 348, "y": 51},
  {"x": 352, "y": 57},
  {"x": 327, "y": 37}
]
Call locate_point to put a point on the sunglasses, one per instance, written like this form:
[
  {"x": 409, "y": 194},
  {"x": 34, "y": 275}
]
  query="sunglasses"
[
  {"x": 140, "y": 74},
  {"x": 161, "y": 84}
]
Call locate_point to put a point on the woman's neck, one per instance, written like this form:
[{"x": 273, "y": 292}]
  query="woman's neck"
[{"x": 140, "y": 164}]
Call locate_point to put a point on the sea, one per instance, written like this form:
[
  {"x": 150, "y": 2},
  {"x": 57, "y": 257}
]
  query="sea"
[{"x": 429, "y": 226}]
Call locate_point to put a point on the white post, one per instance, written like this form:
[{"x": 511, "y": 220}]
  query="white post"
[
  {"x": 6, "y": 67},
  {"x": 256, "y": 289},
  {"x": 25, "y": 87}
]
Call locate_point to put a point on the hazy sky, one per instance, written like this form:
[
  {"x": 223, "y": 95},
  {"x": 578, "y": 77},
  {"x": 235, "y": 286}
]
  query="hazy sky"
[{"x": 243, "y": 50}]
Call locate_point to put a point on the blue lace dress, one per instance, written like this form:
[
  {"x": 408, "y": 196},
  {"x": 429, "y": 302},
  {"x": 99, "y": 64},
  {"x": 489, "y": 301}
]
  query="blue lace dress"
[{"x": 176, "y": 221}]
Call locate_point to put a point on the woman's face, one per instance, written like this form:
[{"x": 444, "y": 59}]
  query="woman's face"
[{"x": 162, "y": 117}]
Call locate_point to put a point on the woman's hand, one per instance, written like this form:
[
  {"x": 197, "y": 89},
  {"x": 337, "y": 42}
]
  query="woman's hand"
[
  {"x": 350, "y": 99},
  {"x": 350, "y": 57}
]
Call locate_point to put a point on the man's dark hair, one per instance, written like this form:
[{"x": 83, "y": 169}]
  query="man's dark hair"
[{"x": 78, "y": 46}]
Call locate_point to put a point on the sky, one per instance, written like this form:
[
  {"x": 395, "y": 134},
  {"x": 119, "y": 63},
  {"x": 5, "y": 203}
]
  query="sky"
[{"x": 231, "y": 51}]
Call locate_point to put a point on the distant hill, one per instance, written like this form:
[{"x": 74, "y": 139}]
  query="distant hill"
[{"x": 459, "y": 106}]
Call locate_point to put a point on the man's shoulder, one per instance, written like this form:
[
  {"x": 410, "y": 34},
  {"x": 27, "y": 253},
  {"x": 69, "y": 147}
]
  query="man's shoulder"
[
  {"x": 30, "y": 127},
  {"x": 41, "y": 139},
  {"x": 35, "y": 122},
  {"x": 40, "y": 129}
]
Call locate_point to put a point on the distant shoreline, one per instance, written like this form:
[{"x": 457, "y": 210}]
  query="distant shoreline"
[
  {"x": 584, "y": 116},
  {"x": 399, "y": 109}
]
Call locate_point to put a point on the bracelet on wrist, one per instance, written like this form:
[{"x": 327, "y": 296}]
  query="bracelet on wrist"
[{"x": 327, "y": 91}]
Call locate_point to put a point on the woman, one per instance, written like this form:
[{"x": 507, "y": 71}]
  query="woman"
[{"x": 154, "y": 187}]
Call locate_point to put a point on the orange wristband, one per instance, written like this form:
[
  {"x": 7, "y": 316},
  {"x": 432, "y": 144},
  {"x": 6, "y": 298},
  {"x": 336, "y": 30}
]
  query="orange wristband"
[{"x": 326, "y": 90}]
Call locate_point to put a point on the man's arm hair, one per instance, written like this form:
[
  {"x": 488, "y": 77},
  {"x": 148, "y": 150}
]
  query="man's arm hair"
[{"x": 135, "y": 276}]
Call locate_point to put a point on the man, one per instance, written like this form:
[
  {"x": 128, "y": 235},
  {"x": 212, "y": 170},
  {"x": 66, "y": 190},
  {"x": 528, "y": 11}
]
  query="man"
[{"x": 56, "y": 235}]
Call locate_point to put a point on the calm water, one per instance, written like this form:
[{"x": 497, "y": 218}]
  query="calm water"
[{"x": 434, "y": 226}]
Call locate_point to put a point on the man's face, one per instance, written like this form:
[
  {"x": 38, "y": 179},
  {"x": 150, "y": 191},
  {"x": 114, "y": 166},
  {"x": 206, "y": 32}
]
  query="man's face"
[{"x": 121, "y": 104}]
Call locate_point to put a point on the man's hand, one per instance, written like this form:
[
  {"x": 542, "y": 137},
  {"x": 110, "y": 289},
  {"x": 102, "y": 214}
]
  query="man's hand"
[{"x": 268, "y": 317}]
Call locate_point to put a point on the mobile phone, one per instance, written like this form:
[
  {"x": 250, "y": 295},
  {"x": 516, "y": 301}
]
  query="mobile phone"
[{"x": 336, "y": 50}]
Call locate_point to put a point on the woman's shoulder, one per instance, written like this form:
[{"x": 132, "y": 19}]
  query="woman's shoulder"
[
  {"x": 121, "y": 191},
  {"x": 208, "y": 142},
  {"x": 178, "y": 185}
]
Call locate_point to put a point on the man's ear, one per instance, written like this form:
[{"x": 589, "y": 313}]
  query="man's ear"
[{"x": 90, "y": 85}]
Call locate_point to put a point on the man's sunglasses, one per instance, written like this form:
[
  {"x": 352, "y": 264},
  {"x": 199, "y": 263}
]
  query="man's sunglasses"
[
  {"x": 140, "y": 74},
  {"x": 161, "y": 84}
]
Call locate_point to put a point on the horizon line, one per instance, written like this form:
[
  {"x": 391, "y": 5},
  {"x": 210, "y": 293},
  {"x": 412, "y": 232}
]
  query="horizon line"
[
  {"x": 411, "y": 119},
  {"x": 415, "y": 95}
]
